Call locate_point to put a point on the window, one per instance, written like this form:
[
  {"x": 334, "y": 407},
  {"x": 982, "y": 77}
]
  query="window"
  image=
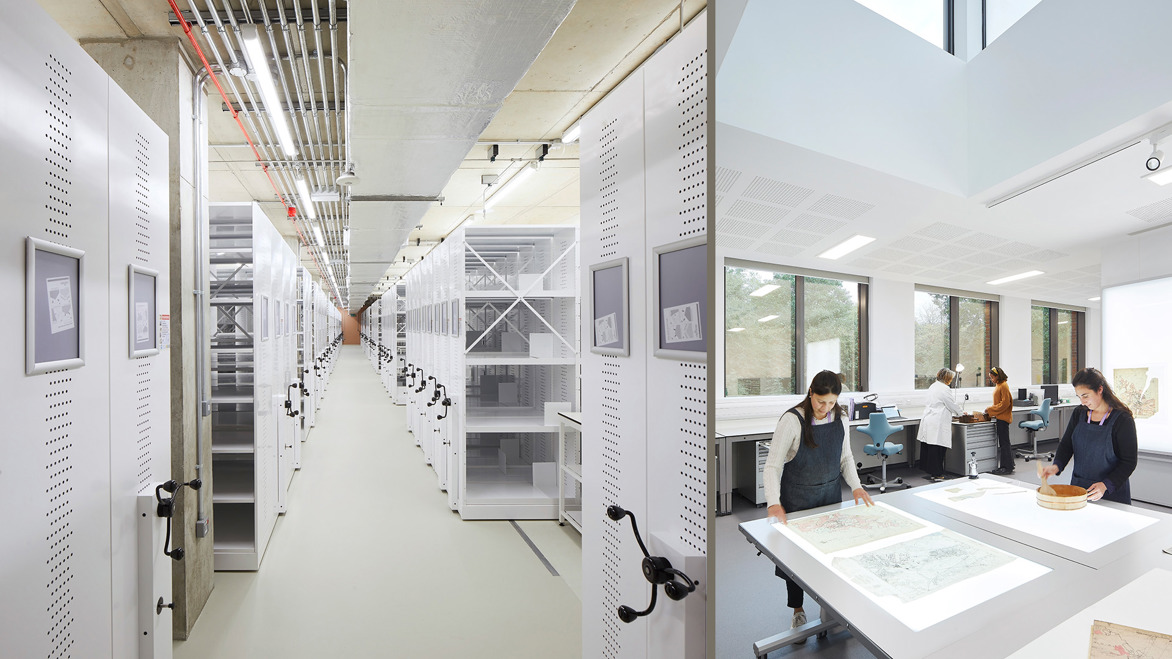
[
  {"x": 1057, "y": 343},
  {"x": 769, "y": 314},
  {"x": 951, "y": 330},
  {"x": 1000, "y": 15},
  {"x": 930, "y": 20}
]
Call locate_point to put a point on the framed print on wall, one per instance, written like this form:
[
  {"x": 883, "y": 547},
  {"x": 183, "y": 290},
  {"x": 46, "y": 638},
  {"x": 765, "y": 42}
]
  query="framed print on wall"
[
  {"x": 143, "y": 330},
  {"x": 681, "y": 299},
  {"x": 54, "y": 311},
  {"x": 610, "y": 308}
]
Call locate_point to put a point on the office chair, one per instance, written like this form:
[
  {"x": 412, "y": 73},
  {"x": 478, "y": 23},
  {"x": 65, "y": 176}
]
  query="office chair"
[
  {"x": 879, "y": 429},
  {"x": 1034, "y": 426}
]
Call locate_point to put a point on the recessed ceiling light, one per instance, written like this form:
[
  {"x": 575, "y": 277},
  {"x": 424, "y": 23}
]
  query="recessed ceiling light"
[
  {"x": 1022, "y": 275},
  {"x": 1162, "y": 176},
  {"x": 737, "y": 329},
  {"x": 765, "y": 290},
  {"x": 846, "y": 247},
  {"x": 767, "y": 319},
  {"x": 1094, "y": 299}
]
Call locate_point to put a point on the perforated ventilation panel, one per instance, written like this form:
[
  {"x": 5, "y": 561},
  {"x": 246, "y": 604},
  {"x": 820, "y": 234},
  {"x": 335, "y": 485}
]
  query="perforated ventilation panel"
[
  {"x": 609, "y": 199},
  {"x": 1155, "y": 213},
  {"x": 693, "y": 107},
  {"x": 694, "y": 455},
  {"x": 142, "y": 199},
  {"x": 58, "y": 142},
  {"x": 59, "y": 511},
  {"x": 776, "y": 192},
  {"x": 612, "y": 464}
]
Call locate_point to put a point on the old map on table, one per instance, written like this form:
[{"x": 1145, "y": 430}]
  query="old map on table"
[
  {"x": 852, "y": 527},
  {"x": 1112, "y": 640},
  {"x": 915, "y": 568}
]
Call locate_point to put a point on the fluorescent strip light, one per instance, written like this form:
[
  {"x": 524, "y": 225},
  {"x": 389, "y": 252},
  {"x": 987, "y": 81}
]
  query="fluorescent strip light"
[
  {"x": 1094, "y": 299},
  {"x": 306, "y": 199},
  {"x": 325, "y": 259},
  {"x": 268, "y": 90},
  {"x": 1162, "y": 176},
  {"x": 767, "y": 319},
  {"x": 346, "y": 237},
  {"x": 764, "y": 290},
  {"x": 572, "y": 133},
  {"x": 317, "y": 234},
  {"x": 512, "y": 184},
  {"x": 737, "y": 329},
  {"x": 846, "y": 247},
  {"x": 1023, "y": 275}
]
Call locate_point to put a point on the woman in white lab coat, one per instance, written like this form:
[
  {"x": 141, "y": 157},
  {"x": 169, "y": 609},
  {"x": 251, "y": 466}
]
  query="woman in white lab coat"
[{"x": 936, "y": 427}]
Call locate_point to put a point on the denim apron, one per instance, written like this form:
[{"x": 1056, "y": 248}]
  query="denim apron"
[
  {"x": 1094, "y": 457},
  {"x": 810, "y": 480}
]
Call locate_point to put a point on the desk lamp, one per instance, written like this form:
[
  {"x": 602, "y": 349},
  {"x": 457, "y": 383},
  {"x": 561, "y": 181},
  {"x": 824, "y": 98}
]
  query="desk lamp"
[{"x": 959, "y": 370}]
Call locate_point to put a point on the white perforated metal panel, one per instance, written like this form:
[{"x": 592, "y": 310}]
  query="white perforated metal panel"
[
  {"x": 677, "y": 433},
  {"x": 55, "y": 450},
  {"x": 614, "y": 450}
]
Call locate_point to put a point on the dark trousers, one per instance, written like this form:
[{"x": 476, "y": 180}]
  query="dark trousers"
[
  {"x": 1003, "y": 445},
  {"x": 794, "y": 597},
  {"x": 932, "y": 459}
]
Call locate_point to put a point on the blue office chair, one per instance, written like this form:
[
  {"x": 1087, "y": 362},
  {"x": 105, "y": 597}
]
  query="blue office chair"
[
  {"x": 1033, "y": 426},
  {"x": 879, "y": 429}
]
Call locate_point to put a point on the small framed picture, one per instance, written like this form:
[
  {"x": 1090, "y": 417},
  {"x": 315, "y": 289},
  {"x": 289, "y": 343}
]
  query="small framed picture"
[
  {"x": 610, "y": 310},
  {"x": 681, "y": 299},
  {"x": 143, "y": 301},
  {"x": 54, "y": 312}
]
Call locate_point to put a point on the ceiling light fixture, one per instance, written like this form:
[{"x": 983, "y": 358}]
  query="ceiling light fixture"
[
  {"x": 767, "y": 319},
  {"x": 737, "y": 329},
  {"x": 572, "y": 133},
  {"x": 1021, "y": 275},
  {"x": 258, "y": 62},
  {"x": 317, "y": 234},
  {"x": 511, "y": 185},
  {"x": 325, "y": 259},
  {"x": 306, "y": 198},
  {"x": 1094, "y": 299},
  {"x": 846, "y": 247},
  {"x": 764, "y": 290}
]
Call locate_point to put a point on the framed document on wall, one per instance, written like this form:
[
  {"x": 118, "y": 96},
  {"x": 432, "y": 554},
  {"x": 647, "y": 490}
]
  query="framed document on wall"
[
  {"x": 681, "y": 299},
  {"x": 54, "y": 313},
  {"x": 143, "y": 330},
  {"x": 610, "y": 308}
]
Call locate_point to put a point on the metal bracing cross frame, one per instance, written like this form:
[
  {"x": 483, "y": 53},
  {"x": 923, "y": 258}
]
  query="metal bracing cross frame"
[
  {"x": 521, "y": 298},
  {"x": 484, "y": 309}
]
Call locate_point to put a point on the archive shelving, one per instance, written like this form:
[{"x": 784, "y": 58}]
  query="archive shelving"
[{"x": 494, "y": 318}]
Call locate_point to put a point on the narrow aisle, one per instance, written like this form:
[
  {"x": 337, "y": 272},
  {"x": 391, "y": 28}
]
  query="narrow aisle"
[{"x": 370, "y": 562}]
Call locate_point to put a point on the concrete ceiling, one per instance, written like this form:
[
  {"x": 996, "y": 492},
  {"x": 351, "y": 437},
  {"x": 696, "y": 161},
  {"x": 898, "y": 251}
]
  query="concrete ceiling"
[{"x": 432, "y": 84}]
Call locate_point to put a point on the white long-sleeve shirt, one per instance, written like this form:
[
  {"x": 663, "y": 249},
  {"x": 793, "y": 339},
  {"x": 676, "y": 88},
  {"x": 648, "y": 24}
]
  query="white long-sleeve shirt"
[{"x": 787, "y": 437}]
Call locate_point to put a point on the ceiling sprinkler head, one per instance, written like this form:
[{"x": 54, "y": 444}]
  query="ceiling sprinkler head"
[{"x": 348, "y": 177}]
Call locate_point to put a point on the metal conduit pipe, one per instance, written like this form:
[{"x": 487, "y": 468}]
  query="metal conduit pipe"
[{"x": 205, "y": 406}]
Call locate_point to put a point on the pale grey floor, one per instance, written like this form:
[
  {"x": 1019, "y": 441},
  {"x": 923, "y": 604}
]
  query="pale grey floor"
[
  {"x": 751, "y": 601},
  {"x": 370, "y": 562}
]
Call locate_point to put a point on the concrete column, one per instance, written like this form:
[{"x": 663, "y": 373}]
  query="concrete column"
[{"x": 155, "y": 75}]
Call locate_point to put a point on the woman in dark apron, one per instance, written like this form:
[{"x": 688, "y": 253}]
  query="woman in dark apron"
[
  {"x": 1101, "y": 439},
  {"x": 810, "y": 449}
]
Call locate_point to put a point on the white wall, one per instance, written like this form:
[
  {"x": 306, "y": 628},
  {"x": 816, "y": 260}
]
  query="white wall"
[
  {"x": 1014, "y": 335},
  {"x": 867, "y": 90},
  {"x": 1052, "y": 81},
  {"x": 892, "y": 335},
  {"x": 1136, "y": 258}
]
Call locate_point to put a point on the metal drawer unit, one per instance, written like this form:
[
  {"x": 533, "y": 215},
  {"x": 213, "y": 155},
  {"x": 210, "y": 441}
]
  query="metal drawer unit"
[{"x": 968, "y": 438}]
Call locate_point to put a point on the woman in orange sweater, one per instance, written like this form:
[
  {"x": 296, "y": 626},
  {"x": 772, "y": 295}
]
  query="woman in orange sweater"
[{"x": 1002, "y": 413}]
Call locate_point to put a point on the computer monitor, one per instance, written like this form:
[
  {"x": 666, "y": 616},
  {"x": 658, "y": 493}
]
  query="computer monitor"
[
  {"x": 1050, "y": 391},
  {"x": 891, "y": 411}
]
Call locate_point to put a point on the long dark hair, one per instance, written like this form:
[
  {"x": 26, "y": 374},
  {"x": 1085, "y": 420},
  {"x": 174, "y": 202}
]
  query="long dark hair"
[
  {"x": 1093, "y": 379},
  {"x": 825, "y": 382}
]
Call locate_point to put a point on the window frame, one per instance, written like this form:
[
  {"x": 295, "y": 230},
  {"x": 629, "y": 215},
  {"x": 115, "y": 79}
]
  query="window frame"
[
  {"x": 954, "y": 298},
  {"x": 800, "y": 275},
  {"x": 1078, "y": 346}
]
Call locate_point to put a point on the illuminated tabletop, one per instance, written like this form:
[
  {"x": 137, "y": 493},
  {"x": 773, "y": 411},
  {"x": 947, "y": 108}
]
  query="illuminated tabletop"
[{"x": 1042, "y": 568}]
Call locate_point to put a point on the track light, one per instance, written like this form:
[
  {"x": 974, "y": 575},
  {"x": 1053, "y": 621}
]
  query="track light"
[
  {"x": 259, "y": 64},
  {"x": 1153, "y": 162}
]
